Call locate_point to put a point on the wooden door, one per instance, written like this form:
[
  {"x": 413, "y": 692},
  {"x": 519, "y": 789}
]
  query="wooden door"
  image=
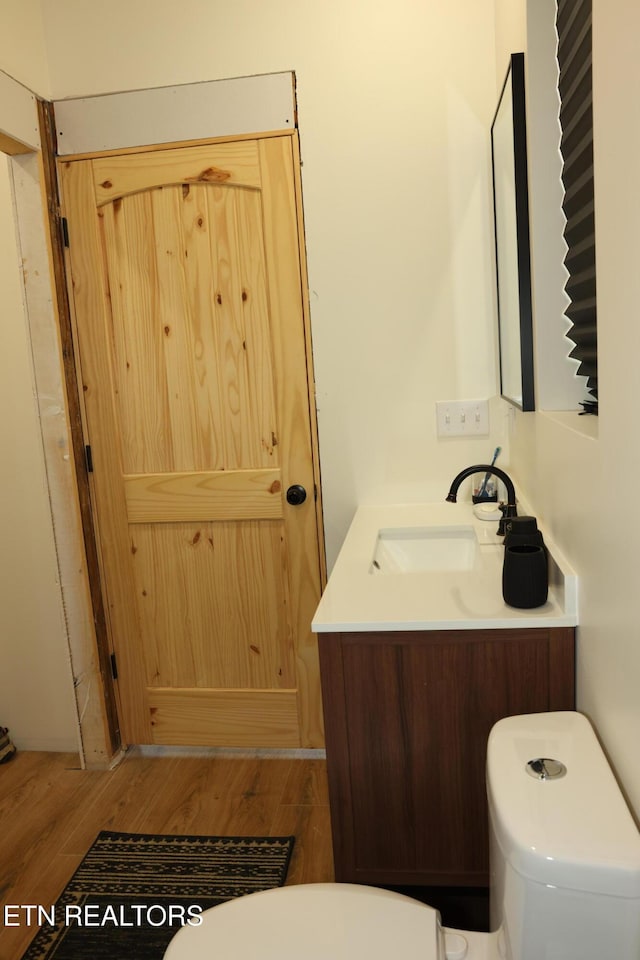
[{"x": 187, "y": 293}]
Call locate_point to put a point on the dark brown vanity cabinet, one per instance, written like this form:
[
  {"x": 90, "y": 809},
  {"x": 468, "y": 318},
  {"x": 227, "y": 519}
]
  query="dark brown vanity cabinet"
[{"x": 407, "y": 717}]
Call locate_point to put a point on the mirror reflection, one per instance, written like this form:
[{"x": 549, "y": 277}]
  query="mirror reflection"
[{"x": 511, "y": 217}]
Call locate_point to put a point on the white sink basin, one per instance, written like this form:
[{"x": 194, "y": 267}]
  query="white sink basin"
[{"x": 422, "y": 549}]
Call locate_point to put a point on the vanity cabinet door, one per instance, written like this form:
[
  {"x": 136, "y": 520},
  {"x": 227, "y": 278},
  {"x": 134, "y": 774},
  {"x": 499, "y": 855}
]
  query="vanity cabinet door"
[{"x": 407, "y": 717}]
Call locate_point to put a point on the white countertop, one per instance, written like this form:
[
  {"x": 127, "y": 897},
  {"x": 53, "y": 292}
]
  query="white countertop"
[{"x": 358, "y": 597}]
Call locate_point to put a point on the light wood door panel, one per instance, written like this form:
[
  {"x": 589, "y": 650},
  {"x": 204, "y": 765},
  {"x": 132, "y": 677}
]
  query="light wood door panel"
[
  {"x": 220, "y": 717},
  {"x": 187, "y": 290},
  {"x": 192, "y": 377},
  {"x": 213, "y": 495},
  {"x": 213, "y": 602}
]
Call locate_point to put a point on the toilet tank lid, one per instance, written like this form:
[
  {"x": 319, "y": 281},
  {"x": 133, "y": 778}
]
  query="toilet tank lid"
[{"x": 574, "y": 832}]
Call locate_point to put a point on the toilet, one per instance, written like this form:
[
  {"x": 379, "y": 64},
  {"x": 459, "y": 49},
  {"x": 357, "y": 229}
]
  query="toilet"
[{"x": 565, "y": 874}]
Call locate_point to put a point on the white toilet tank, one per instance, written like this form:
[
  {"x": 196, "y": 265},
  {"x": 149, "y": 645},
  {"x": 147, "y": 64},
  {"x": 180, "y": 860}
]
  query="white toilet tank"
[{"x": 565, "y": 851}]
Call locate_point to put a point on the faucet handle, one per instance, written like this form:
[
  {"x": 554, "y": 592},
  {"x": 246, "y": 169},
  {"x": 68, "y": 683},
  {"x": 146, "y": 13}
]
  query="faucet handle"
[{"x": 508, "y": 510}]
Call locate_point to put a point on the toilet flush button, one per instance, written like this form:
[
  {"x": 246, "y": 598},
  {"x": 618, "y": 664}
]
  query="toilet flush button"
[
  {"x": 455, "y": 946},
  {"x": 544, "y": 768}
]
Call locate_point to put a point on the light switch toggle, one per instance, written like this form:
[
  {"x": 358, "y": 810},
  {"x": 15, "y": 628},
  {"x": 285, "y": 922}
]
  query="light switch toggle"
[{"x": 462, "y": 418}]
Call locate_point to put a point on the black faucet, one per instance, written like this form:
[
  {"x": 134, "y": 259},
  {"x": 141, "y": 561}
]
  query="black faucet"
[{"x": 508, "y": 509}]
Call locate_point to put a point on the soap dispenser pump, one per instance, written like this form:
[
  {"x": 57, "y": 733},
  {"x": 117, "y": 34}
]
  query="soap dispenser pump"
[
  {"x": 525, "y": 570},
  {"x": 522, "y": 530}
]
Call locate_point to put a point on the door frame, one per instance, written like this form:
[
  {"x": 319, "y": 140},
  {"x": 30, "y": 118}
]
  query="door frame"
[
  {"x": 28, "y": 135},
  {"x": 27, "y": 151},
  {"x": 100, "y": 643},
  {"x": 100, "y": 694}
]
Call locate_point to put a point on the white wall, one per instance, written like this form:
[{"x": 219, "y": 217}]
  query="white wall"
[
  {"x": 511, "y": 34},
  {"x": 394, "y": 105},
  {"x": 36, "y": 687},
  {"x": 578, "y": 475},
  {"x": 23, "y": 53}
]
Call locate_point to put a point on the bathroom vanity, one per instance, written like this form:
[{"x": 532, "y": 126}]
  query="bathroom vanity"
[{"x": 419, "y": 658}]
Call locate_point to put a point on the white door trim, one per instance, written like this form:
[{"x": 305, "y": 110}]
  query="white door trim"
[
  {"x": 194, "y": 111},
  {"x": 18, "y": 113},
  {"x": 20, "y": 138}
]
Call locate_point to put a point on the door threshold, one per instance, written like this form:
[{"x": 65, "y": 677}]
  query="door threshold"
[{"x": 262, "y": 753}]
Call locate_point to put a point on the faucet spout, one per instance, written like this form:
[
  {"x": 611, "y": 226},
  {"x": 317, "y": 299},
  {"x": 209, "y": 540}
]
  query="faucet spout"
[{"x": 508, "y": 510}]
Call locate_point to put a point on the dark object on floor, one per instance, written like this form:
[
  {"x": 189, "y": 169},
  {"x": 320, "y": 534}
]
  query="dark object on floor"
[
  {"x": 466, "y": 908},
  {"x": 132, "y": 892},
  {"x": 7, "y": 748}
]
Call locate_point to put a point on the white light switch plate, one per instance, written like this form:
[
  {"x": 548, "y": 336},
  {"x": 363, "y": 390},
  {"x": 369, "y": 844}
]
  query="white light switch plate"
[{"x": 462, "y": 418}]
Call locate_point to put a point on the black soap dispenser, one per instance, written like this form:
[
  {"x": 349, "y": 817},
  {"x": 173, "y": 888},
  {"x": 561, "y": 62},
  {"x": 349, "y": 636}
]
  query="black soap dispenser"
[{"x": 525, "y": 576}]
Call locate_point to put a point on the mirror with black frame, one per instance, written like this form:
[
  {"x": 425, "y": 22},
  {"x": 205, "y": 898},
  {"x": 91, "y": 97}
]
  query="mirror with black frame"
[{"x": 513, "y": 257}]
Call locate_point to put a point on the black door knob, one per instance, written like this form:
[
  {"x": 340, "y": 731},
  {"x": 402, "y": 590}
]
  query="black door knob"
[{"x": 296, "y": 494}]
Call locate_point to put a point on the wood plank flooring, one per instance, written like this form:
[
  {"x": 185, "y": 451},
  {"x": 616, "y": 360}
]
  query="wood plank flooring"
[{"x": 51, "y": 811}]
